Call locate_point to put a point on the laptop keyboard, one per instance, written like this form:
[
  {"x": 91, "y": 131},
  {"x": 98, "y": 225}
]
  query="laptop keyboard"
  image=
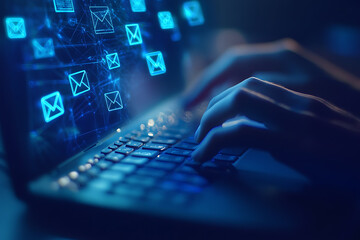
[{"x": 150, "y": 164}]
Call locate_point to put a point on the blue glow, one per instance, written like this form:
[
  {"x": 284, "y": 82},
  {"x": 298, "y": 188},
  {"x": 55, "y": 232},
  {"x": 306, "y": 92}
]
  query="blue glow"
[
  {"x": 166, "y": 20},
  {"x": 43, "y": 48},
  {"x": 193, "y": 13},
  {"x": 134, "y": 34},
  {"x": 113, "y": 101},
  {"x": 79, "y": 82},
  {"x": 15, "y": 28},
  {"x": 52, "y": 106},
  {"x": 156, "y": 63},
  {"x": 113, "y": 61},
  {"x": 102, "y": 20},
  {"x": 62, "y": 6},
  {"x": 138, "y": 5}
]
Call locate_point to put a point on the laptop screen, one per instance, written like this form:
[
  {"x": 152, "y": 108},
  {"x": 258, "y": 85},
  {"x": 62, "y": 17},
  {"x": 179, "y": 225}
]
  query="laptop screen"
[{"x": 92, "y": 66}]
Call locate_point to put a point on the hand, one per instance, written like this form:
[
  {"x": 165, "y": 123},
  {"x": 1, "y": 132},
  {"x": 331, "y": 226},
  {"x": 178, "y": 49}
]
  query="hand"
[{"x": 294, "y": 122}]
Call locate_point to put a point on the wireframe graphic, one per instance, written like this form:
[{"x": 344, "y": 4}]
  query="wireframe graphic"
[
  {"x": 79, "y": 82},
  {"x": 113, "y": 101},
  {"x": 15, "y": 28},
  {"x": 43, "y": 48},
  {"x": 138, "y": 5},
  {"x": 102, "y": 21},
  {"x": 62, "y": 6},
  {"x": 156, "y": 63},
  {"x": 113, "y": 61},
  {"x": 166, "y": 20},
  {"x": 134, "y": 34},
  {"x": 52, "y": 106},
  {"x": 193, "y": 13}
]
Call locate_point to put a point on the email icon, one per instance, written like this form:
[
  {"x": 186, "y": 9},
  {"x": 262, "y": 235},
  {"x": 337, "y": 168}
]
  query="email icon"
[
  {"x": 64, "y": 6},
  {"x": 113, "y": 101},
  {"x": 193, "y": 13},
  {"x": 156, "y": 63},
  {"x": 15, "y": 28},
  {"x": 138, "y": 5},
  {"x": 102, "y": 20},
  {"x": 52, "y": 106},
  {"x": 166, "y": 20},
  {"x": 43, "y": 48},
  {"x": 133, "y": 34},
  {"x": 79, "y": 83},
  {"x": 113, "y": 61}
]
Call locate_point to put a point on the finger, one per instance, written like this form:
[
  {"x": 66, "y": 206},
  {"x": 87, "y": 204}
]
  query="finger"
[
  {"x": 222, "y": 95},
  {"x": 241, "y": 62},
  {"x": 248, "y": 134}
]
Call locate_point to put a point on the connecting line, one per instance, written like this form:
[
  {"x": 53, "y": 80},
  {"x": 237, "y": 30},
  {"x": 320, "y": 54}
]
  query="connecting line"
[{"x": 31, "y": 67}]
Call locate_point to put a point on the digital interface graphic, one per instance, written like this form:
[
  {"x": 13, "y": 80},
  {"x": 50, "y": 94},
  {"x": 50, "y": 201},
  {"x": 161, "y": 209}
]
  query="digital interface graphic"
[{"x": 92, "y": 66}]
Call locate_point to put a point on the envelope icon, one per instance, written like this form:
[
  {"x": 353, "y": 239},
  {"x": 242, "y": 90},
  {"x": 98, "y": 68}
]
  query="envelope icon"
[
  {"x": 113, "y": 60},
  {"x": 15, "y": 28},
  {"x": 166, "y": 20},
  {"x": 138, "y": 5},
  {"x": 133, "y": 34},
  {"x": 64, "y": 6},
  {"x": 43, "y": 48},
  {"x": 113, "y": 101},
  {"x": 102, "y": 20},
  {"x": 79, "y": 83},
  {"x": 156, "y": 63},
  {"x": 52, "y": 106},
  {"x": 193, "y": 13}
]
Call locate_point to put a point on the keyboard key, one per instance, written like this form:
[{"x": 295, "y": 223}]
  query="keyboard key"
[
  {"x": 113, "y": 176},
  {"x": 151, "y": 172},
  {"x": 134, "y": 144},
  {"x": 190, "y": 162},
  {"x": 124, "y": 150},
  {"x": 113, "y": 146},
  {"x": 178, "y": 152},
  {"x": 143, "y": 139},
  {"x": 135, "y": 160},
  {"x": 185, "y": 146},
  {"x": 170, "y": 158},
  {"x": 129, "y": 190},
  {"x": 103, "y": 165},
  {"x": 145, "y": 153},
  {"x": 225, "y": 158},
  {"x": 169, "y": 185},
  {"x": 164, "y": 141},
  {"x": 143, "y": 181},
  {"x": 157, "y": 195},
  {"x": 172, "y": 136},
  {"x": 106, "y": 151},
  {"x": 187, "y": 169},
  {"x": 190, "y": 140},
  {"x": 130, "y": 136},
  {"x": 154, "y": 146},
  {"x": 93, "y": 172},
  {"x": 233, "y": 151},
  {"x": 124, "y": 168},
  {"x": 114, "y": 157},
  {"x": 100, "y": 185},
  {"x": 162, "y": 165},
  {"x": 190, "y": 179},
  {"x": 118, "y": 143},
  {"x": 124, "y": 140}
]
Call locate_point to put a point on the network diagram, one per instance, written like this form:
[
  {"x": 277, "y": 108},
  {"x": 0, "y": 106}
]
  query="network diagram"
[{"x": 52, "y": 104}]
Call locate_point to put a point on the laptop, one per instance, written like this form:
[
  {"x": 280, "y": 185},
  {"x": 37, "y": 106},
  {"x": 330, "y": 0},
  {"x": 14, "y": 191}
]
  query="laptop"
[{"x": 94, "y": 129}]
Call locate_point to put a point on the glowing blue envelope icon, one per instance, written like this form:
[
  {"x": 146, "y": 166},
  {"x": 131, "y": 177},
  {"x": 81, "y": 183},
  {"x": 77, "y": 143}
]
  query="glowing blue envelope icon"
[
  {"x": 156, "y": 63},
  {"x": 15, "y": 28},
  {"x": 79, "y": 83},
  {"x": 166, "y": 20},
  {"x": 52, "y": 106},
  {"x": 113, "y": 101},
  {"x": 193, "y": 13},
  {"x": 43, "y": 48},
  {"x": 133, "y": 34},
  {"x": 64, "y": 6},
  {"x": 102, "y": 20},
  {"x": 138, "y": 5},
  {"x": 113, "y": 61}
]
